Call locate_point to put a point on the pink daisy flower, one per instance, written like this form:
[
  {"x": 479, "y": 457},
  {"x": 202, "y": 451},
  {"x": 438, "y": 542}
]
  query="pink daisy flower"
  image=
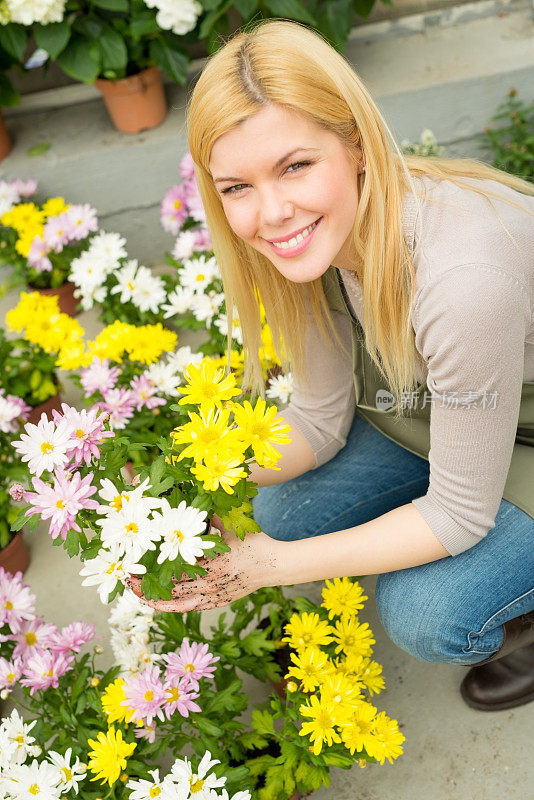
[
  {"x": 38, "y": 255},
  {"x": 57, "y": 232},
  {"x": 33, "y": 636},
  {"x": 61, "y": 502},
  {"x": 10, "y": 672},
  {"x": 43, "y": 446},
  {"x": 10, "y": 411},
  {"x": 173, "y": 211},
  {"x": 179, "y": 697},
  {"x": 25, "y": 188},
  {"x": 192, "y": 661},
  {"x": 120, "y": 405},
  {"x": 99, "y": 376},
  {"x": 193, "y": 201},
  {"x": 82, "y": 221},
  {"x": 147, "y": 732},
  {"x": 187, "y": 167},
  {"x": 144, "y": 393},
  {"x": 44, "y": 669},
  {"x": 17, "y": 603},
  {"x": 203, "y": 240},
  {"x": 144, "y": 693},
  {"x": 87, "y": 432},
  {"x": 72, "y": 637}
]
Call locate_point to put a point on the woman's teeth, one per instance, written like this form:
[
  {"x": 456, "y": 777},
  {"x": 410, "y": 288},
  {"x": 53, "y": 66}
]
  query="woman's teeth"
[{"x": 296, "y": 239}]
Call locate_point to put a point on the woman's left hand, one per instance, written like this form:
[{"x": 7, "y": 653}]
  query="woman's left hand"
[{"x": 248, "y": 565}]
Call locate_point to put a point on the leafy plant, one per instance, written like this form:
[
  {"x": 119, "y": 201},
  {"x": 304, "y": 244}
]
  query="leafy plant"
[{"x": 512, "y": 143}]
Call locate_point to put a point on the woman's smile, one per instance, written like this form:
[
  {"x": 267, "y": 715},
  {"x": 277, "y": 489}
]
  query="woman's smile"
[{"x": 295, "y": 244}]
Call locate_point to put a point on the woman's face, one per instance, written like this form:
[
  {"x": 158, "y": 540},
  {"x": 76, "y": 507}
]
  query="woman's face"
[{"x": 288, "y": 189}]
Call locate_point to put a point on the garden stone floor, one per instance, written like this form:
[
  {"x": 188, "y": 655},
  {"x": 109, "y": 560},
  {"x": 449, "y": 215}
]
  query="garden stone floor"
[{"x": 451, "y": 751}]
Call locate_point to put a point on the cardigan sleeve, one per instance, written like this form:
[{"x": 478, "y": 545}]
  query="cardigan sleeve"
[
  {"x": 470, "y": 325},
  {"x": 322, "y": 406}
]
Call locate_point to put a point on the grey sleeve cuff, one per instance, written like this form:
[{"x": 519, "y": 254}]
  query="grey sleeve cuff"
[{"x": 455, "y": 538}]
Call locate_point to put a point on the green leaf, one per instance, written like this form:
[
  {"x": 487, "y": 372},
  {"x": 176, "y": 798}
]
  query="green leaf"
[
  {"x": 53, "y": 38},
  {"x": 246, "y": 7},
  {"x": 172, "y": 61},
  {"x": 38, "y": 149},
  {"x": 337, "y": 759},
  {"x": 156, "y": 470},
  {"x": 364, "y": 7},
  {"x": 80, "y": 60},
  {"x": 208, "y": 727},
  {"x": 72, "y": 543},
  {"x": 19, "y": 523},
  {"x": 262, "y": 721},
  {"x": 8, "y": 96},
  {"x": 212, "y": 18},
  {"x": 153, "y": 590},
  {"x": 113, "y": 5},
  {"x": 339, "y": 16},
  {"x": 14, "y": 39},
  {"x": 291, "y": 9},
  {"x": 143, "y": 24},
  {"x": 113, "y": 49}
]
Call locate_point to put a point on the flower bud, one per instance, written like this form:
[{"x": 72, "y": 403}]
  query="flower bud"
[
  {"x": 4, "y": 694},
  {"x": 291, "y": 686},
  {"x": 124, "y": 777},
  {"x": 362, "y": 763},
  {"x": 16, "y": 491},
  {"x": 95, "y": 681},
  {"x": 136, "y": 480},
  {"x": 98, "y": 649}
]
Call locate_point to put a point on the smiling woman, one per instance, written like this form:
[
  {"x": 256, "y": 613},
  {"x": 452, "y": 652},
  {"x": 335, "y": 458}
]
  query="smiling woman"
[{"x": 389, "y": 283}]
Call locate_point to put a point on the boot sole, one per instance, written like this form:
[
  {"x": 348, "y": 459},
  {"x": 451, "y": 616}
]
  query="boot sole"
[{"x": 519, "y": 701}]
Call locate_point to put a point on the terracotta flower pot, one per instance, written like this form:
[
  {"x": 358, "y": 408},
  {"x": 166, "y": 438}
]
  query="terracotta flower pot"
[
  {"x": 6, "y": 144},
  {"x": 65, "y": 296},
  {"x": 52, "y": 404},
  {"x": 135, "y": 103},
  {"x": 15, "y": 557}
]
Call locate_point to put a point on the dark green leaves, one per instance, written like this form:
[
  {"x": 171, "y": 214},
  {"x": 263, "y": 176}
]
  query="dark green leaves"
[
  {"x": 14, "y": 38},
  {"x": 168, "y": 58},
  {"x": 53, "y": 38},
  {"x": 81, "y": 59},
  {"x": 290, "y": 9}
]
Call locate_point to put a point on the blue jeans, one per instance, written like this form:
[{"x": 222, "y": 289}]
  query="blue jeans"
[{"x": 450, "y": 611}]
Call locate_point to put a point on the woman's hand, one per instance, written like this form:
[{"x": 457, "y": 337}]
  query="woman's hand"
[{"x": 248, "y": 565}]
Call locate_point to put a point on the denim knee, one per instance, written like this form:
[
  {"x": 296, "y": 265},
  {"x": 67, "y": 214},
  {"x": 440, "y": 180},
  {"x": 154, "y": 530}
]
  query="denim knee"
[
  {"x": 423, "y": 623},
  {"x": 274, "y": 514}
]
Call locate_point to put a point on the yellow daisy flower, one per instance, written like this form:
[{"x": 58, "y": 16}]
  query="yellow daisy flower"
[
  {"x": 220, "y": 470},
  {"x": 307, "y": 630},
  {"x": 386, "y": 740},
  {"x": 353, "y": 637},
  {"x": 342, "y": 596},
  {"x": 311, "y": 668},
  {"x": 111, "y": 700},
  {"x": 108, "y": 756},
  {"x": 111, "y": 341},
  {"x": 23, "y": 217},
  {"x": 341, "y": 693},
  {"x": 207, "y": 386},
  {"x": 261, "y": 428},
  {"x": 364, "y": 670},
  {"x": 357, "y": 732},
  {"x": 146, "y": 343},
  {"x": 54, "y": 206},
  {"x": 320, "y": 729},
  {"x": 207, "y": 435}
]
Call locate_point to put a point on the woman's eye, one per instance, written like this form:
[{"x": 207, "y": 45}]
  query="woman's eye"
[{"x": 237, "y": 187}]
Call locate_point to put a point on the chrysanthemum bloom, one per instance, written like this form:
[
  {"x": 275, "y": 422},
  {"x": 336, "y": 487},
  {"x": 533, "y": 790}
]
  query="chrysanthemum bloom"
[
  {"x": 70, "y": 775},
  {"x": 183, "y": 357},
  {"x": 386, "y": 739},
  {"x": 86, "y": 431},
  {"x": 109, "y": 755},
  {"x": 207, "y": 386},
  {"x": 184, "y": 246},
  {"x": 99, "y": 377},
  {"x": 163, "y": 378},
  {"x": 222, "y": 324},
  {"x": 199, "y": 782},
  {"x": 44, "y": 669},
  {"x": 352, "y": 636},
  {"x": 57, "y": 232},
  {"x": 109, "y": 248},
  {"x": 208, "y": 433},
  {"x": 343, "y": 597},
  {"x": 44, "y": 446},
  {"x": 146, "y": 343},
  {"x": 311, "y": 667},
  {"x": 180, "y": 530},
  {"x": 223, "y": 469},
  {"x": 107, "y": 569},
  {"x": 207, "y": 306},
  {"x": 72, "y": 637},
  {"x": 16, "y": 731},
  {"x": 173, "y": 209},
  {"x": 145, "y": 393},
  {"x": 192, "y": 661},
  {"x": 144, "y": 693},
  {"x": 82, "y": 221},
  {"x": 120, "y": 405},
  {"x": 12, "y": 409},
  {"x": 321, "y": 728},
  {"x": 33, "y": 636},
  {"x": 261, "y": 428},
  {"x": 38, "y": 255},
  {"x": 117, "y": 500},
  {"x": 17, "y": 603},
  {"x": 197, "y": 273},
  {"x": 307, "y": 630},
  {"x": 180, "y": 697},
  {"x": 33, "y": 779},
  {"x": 112, "y": 700},
  {"x": 10, "y": 672},
  {"x": 342, "y": 694},
  {"x": 61, "y": 502},
  {"x": 187, "y": 167},
  {"x": 280, "y": 388},
  {"x": 356, "y": 733},
  {"x": 163, "y": 789},
  {"x": 203, "y": 240},
  {"x": 368, "y": 673},
  {"x": 178, "y": 302},
  {"x": 130, "y": 531},
  {"x": 194, "y": 201}
]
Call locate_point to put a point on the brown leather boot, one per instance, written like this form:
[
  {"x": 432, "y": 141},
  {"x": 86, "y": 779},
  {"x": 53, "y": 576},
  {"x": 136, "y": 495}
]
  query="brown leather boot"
[{"x": 505, "y": 679}]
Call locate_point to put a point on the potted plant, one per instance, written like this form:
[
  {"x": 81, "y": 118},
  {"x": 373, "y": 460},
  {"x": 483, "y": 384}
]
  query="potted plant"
[{"x": 39, "y": 241}]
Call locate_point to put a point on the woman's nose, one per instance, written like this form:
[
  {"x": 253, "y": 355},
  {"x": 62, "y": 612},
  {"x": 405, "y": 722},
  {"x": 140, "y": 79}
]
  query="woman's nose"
[{"x": 275, "y": 208}]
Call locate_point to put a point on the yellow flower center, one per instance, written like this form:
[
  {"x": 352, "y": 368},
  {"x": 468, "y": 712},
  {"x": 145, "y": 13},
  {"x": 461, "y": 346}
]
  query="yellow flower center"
[
  {"x": 111, "y": 568},
  {"x": 79, "y": 433},
  {"x": 131, "y": 286},
  {"x": 19, "y": 739},
  {"x": 179, "y": 535},
  {"x": 34, "y": 789},
  {"x": 9, "y": 605},
  {"x": 200, "y": 277},
  {"x": 10, "y": 677},
  {"x": 67, "y": 773},
  {"x": 31, "y": 638},
  {"x": 46, "y": 447},
  {"x": 131, "y": 528},
  {"x": 154, "y": 791},
  {"x": 349, "y": 641},
  {"x": 149, "y": 695},
  {"x": 174, "y": 694},
  {"x": 189, "y": 668},
  {"x": 306, "y": 638},
  {"x": 177, "y": 204},
  {"x": 116, "y": 503},
  {"x": 60, "y": 504},
  {"x": 196, "y": 784},
  {"x": 324, "y": 720}
]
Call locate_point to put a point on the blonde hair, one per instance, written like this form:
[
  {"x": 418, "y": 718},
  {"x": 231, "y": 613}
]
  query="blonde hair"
[{"x": 284, "y": 63}]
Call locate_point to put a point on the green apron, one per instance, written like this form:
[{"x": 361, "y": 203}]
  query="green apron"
[{"x": 413, "y": 431}]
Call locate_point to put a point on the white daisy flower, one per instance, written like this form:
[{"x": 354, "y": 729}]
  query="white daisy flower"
[
  {"x": 126, "y": 280},
  {"x": 196, "y": 273},
  {"x": 44, "y": 445},
  {"x": 183, "y": 357},
  {"x": 162, "y": 789},
  {"x": 199, "y": 783},
  {"x": 88, "y": 272},
  {"x": 222, "y": 324},
  {"x": 178, "y": 302},
  {"x": 184, "y": 246},
  {"x": 280, "y": 388},
  {"x": 17, "y": 731},
  {"x": 117, "y": 500},
  {"x": 109, "y": 248},
  {"x": 130, "y": 531},
  {"x": 149, "y": 292},
  {"x": 107, "y": 569},
  {"x": 129, "y": 610},
  {"x": 206, "y": 306},
  {"x": 180, "y": 529},
  {"x": 34, "y": 780},
  {"x": 163, "y": 376},
  {"x": 8, "y": 196},
  {"x": 69, "y": 774},
  {"x": 8, "y": 749}
]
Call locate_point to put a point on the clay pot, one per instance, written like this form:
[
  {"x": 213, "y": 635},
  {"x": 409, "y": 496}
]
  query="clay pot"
[
  {"x": 65, "y": 297},
  {"x": 15, "y": 557},
  {"x": 135, "y": 103},
  {"x": 52, "y": 404},
  {"x": 6, "y": 144}
]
